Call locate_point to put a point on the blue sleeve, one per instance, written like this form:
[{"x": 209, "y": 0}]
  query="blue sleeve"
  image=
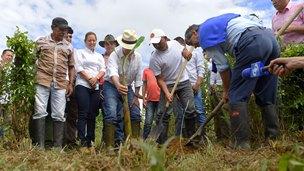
[{"x": 218, "y": 56}]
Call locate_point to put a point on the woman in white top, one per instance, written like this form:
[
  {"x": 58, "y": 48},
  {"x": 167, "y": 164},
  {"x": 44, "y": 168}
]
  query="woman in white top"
[{"x": 90, "y": 67}]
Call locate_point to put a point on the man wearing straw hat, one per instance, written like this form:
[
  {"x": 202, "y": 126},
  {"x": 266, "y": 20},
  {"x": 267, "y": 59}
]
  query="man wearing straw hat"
[{"x": 114, "y": 89}]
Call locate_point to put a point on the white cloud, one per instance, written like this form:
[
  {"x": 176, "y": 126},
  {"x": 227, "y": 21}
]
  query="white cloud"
[{"x": 110, "y": 16}]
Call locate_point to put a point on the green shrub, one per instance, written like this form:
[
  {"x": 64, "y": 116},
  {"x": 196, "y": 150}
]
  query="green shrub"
[
  {"x": 291, "y": 94},
  {"x": 20, "y": 83}
]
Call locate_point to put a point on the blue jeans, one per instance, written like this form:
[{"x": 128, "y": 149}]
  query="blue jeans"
[
  {"x": 58, "y": 101},
  {"x": 88, "y": 105},
  {"x": 178, "y": 111},
  {"x": 151, "y": 111},
  {"x": 113, "y": 108}
]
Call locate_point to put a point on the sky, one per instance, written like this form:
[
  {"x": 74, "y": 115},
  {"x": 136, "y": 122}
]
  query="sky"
[{"x": 113, "y": 16}]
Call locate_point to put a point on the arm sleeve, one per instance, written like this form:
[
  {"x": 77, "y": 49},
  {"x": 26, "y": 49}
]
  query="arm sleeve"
[
  {"x": 138, "y": 81},
  {"x": 113, "y": 65},
  {"x": 78, "y": 61},
  {"x": 219, "y": 58},
  {"x": 155, "y": 65}
]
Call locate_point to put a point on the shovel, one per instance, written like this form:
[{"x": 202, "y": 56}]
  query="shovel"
[{"x": 197, "y": 136}]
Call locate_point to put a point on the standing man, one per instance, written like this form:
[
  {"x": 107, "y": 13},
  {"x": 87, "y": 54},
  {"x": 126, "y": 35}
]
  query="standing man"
[
  {"x": 55, "y": 58},
  {"x": 71, "y": 107},
  {"x": 6, "y": 58},
  {"x": 295, "y": 32},
  {"x": 248, "y": 42},
  {"x": 114, "y": 89},
  {"x": 151, "y": 89},
  {"x": 166, "y": 62}
]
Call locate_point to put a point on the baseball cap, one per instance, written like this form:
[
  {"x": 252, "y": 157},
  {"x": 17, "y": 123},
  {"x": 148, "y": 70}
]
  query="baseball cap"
[
  {"x": 60, "y": 22},
  {"x": 156, "y": 35}
]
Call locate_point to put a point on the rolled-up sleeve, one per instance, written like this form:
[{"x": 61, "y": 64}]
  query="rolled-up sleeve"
[
  {"x": 112, "y": 68},
  {"x": 138, "y": 80},
  {"x": 154, "y": 65},
  {"x": 219, "y": 58},
  {"x": 199, "y": 64}
]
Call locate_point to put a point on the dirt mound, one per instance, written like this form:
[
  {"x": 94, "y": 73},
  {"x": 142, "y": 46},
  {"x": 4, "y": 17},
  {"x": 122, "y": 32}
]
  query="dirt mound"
[{"x": 177, "y": 146}]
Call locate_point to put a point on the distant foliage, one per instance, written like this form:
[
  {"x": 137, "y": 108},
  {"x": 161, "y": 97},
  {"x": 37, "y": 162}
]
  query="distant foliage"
[
  {"x": 291, "y": 92},
  {"x": 20, "y": 83}
]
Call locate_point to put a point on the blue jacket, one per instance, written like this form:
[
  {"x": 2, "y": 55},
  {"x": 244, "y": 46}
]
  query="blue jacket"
[{"x": 214, "y": 30}]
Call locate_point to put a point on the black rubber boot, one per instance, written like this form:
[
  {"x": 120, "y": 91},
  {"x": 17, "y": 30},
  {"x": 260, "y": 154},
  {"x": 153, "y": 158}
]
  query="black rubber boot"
[
  {"x": 164, "y": 134},
  {"x": 108, "y": 136},
  {"x": 271, "y": 121},
  {"x": 190, "y": 127},
  {"x": 39, "y": 129},
  {"x": 239, "y": 126},
  {"x": 58, "y": 131},
  {"x": 135, "y": 126}
]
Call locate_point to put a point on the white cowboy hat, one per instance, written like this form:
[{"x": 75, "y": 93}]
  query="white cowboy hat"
[{"x": 128, "y": 39}]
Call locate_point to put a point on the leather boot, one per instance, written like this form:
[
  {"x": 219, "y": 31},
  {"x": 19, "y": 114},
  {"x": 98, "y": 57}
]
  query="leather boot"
[
  {"x": 58, "y": 131},
  {"x": 271, "y": 121},
  {"x": 39, "y": 129},
  {"x": 135, "y": 126},
  {"x": 239, "y": 125},
  {"x": 108, "y": 136}
]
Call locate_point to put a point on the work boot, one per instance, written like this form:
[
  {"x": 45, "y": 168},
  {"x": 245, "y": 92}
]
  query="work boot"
[
  {"x": 39, "y": 129},
  {"x": 108, "y": 136},
  {"x": 58, "y": 131},
  {"x": 271, "y": 122},
  {"x": 135, "y": 126},
  {"x": 190, "y": 127},
  {"x": 164, "y": 134},
  {"x": 239, "y": 125}
]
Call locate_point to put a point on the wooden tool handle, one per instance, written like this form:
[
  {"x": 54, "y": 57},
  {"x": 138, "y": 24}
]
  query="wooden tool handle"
[{"x": 180, "y": 73}]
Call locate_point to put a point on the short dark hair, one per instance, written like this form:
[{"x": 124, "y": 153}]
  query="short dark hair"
[
  {"x": 180, "y": 40},
  {"x": 70, "y": 30},
  {"x": 7, "y": 50},
  {"x": 189, "y": 31}
]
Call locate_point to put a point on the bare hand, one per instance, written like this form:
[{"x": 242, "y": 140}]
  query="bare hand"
[
  {"x": 225, "y": 96},
  {"x": 169, "y": 98},
  {"x": 122, "y": 89},
  {"x": 93, "y": 81},
  {"x": 280, "y": 66},
  {"x": 144, "y": 103},
  {"x": 187, "y": 54},
  {"x": 195, "y": 88},
  {"x": 69, "y": 90}
]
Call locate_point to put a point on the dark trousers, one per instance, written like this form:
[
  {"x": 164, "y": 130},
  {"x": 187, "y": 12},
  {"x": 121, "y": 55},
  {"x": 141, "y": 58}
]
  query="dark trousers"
[
  {"x": 71, "y": 119},
  {"x": 88, "y": 105},
  {"x": 255, "y": 44}
]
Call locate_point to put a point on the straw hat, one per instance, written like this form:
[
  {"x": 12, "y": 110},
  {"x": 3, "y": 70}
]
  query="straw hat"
[{"x": 128, "y": 39}]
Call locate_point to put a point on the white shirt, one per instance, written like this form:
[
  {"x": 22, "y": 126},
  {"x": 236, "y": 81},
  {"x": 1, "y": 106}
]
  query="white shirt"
[
  {"x": 89, "y": 61},
  {"x": 168, "y": 63},
  {"x": 132, "y": 67},
  {"x": 215, "y": 78},
  {"x": 195, "y": 66}
]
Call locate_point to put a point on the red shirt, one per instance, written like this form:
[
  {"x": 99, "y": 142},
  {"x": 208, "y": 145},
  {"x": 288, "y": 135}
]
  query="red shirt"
[{"x": 152, "y": 89}]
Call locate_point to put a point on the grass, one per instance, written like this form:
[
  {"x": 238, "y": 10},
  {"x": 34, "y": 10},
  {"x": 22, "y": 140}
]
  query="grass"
[{"x": 137, "y": 155}]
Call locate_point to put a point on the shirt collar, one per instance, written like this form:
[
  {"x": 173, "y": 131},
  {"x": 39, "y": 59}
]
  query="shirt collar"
[
  {"x": 287, "y": 8},
  {"x": 89, "y": 50}
]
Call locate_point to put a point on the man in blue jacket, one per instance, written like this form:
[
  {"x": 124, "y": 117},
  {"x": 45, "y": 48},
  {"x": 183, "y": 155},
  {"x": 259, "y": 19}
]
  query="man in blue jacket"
[{"x": 248, "y": 42}]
